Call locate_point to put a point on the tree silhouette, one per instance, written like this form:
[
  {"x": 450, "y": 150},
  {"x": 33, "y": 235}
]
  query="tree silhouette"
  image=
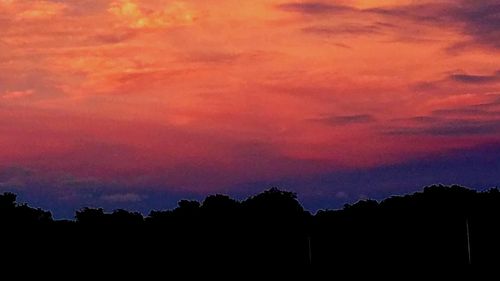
[
  {"x": 8, "y": 200},
  {"x": 442, "y": 225},
  {"x": 13, "y": 213},
  {"x": 274, "y": 203},
  {"x": 124, "y": 217},
  {"x": 90, "y": 216}
]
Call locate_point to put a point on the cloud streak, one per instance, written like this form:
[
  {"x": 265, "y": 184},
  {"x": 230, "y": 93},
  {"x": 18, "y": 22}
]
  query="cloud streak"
[
  {"x": 347, "y": 120},
  {"x": 14, "y": 95},
  {"x": 122, "y": 198},
  {"x": 478, "y": 19},
  {"x": 475, "y": 79},
  {"x": 132, "y": 14},
  {"x": 315, "y": 8},
  {"x": 452, "y": 128},
  {"x": 343, "y": 30}
]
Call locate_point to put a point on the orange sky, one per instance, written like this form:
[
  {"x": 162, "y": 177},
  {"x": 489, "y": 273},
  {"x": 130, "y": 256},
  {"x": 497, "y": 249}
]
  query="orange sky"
[{"x": 208, "y": 94}]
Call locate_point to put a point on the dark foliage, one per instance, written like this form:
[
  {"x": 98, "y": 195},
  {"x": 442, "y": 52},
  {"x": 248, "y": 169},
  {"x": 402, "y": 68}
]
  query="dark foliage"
[
  {"x": 443, "y": 225},
  {"x": 14, "y": 213}
]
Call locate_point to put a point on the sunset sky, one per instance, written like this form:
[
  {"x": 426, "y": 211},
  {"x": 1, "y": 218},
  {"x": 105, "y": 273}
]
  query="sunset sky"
[{"x": 136, "y": 104}]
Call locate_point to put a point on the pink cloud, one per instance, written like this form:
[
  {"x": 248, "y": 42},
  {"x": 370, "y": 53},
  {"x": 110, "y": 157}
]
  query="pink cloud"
[{"x": 15, "y": 95}]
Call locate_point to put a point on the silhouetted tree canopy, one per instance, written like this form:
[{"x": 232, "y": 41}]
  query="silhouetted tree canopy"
[
  {"x": 90, "y": 215},
  {"x": 13, "y": 213},
  {"x": 274, "y": 202},
  {"x": 8, "y": 200},
  {"x": 440, "y": 225},
  {"x": 220, "y": 205}
]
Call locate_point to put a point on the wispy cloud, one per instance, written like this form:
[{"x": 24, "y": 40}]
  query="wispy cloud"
[
  {"x": 132, "y": 14},
  {"x": 470, "y": 111},
  {"x": 37, "y": 10},
  {"x": 476, "y": 19},
  {"x": 451, "y": 128},
  {"x": 315, "y": 8},
  {"x": 475, "y": 79},
  {"x": 123, "y": 197},
  {"x": 15, "y": 178},
  {"x": 14, "y": 95},
  {"x": 344, "y": 120},
  {"x": 347, "y": 29}
]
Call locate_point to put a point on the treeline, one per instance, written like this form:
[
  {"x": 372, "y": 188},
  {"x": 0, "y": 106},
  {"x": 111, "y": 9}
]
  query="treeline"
[{"x": 449, "y": 225}]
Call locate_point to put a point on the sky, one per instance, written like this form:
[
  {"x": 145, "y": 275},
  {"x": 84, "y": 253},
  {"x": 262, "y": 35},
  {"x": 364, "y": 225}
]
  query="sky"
[{"x": 137, "y": 104}]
